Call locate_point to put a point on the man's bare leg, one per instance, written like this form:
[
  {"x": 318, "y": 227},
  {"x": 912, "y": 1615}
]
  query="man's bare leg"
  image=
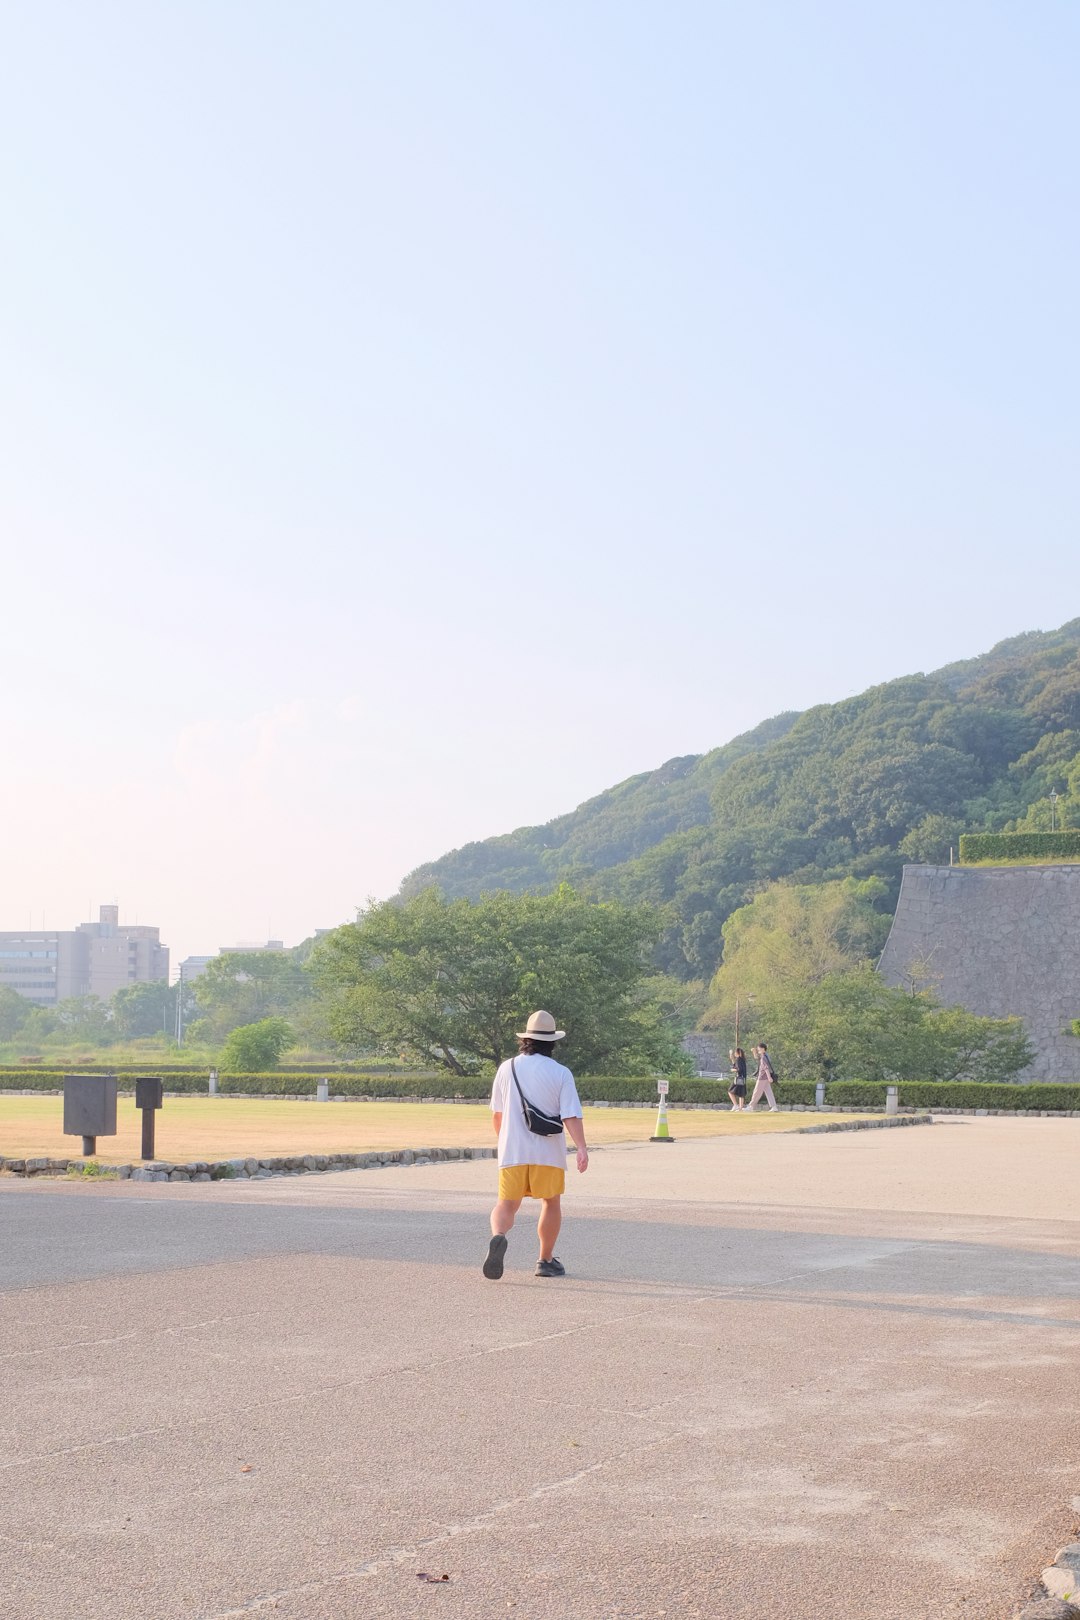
[
  {"x": 502, "y": 1219},
  {"x": 547, "y": 1227},
  {"x": 502, "y": 1216}
]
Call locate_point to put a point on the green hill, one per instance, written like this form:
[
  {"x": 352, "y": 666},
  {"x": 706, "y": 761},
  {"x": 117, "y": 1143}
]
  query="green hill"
[{"x": 852, "y": 788}]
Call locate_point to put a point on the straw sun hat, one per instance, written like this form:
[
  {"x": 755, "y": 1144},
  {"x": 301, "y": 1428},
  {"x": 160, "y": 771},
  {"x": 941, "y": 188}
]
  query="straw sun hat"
[{"x": 541, "y": 1027}]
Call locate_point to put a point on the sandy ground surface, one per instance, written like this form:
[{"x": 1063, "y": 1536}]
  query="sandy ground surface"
[
  {"x": 800, "y": 1377},
  {"x": 239, "y": 1127}
]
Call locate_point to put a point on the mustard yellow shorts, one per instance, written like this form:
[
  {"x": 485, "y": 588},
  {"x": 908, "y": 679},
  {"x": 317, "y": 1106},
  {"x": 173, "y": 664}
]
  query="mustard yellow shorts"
[{"x": 531, "y": 1181}]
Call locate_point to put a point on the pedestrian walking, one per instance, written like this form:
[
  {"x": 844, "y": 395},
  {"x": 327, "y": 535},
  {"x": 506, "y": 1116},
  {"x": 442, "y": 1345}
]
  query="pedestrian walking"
[
  {"x": 533, "y": 1100},
  {"x": 763, "y": 1085},
  {"x": 737, "y": 1089}
]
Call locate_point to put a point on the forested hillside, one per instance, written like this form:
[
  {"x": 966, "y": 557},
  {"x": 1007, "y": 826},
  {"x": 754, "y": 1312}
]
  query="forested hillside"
[{"x": 846, "y": 789}]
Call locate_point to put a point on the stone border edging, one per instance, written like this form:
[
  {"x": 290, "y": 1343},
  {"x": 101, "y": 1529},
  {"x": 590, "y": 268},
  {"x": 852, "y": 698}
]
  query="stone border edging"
[
  {"x": 253, "y": 1169},
  {"x": 865, "y": 1124},
  {"x": 247, "y": 1169},
  {"x": 1061, "y": 1589}
]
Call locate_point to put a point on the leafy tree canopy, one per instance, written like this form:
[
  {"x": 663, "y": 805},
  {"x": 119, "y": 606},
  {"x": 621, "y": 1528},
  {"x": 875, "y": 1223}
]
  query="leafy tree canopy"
[
  {"x": 139, "y": 1010},
  {"x": 243, "y": 987},
  {"x": 853, "y": 1026},
  {"x": 449, "y": 982},
  {"x": 252, "y": 1048},
  {"x": 797, "y": 934},
  {"x": 84, "y": 1018},
  {"x": 15, "y": 1010}
]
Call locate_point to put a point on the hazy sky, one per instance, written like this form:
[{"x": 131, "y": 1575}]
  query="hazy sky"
[{"x": 415, "y": 418}]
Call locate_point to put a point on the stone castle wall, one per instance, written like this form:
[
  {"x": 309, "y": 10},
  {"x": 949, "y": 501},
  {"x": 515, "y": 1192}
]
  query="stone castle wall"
[
  {"x": 1001, "y": 941},
  {"x": 707, "y": 1053}
]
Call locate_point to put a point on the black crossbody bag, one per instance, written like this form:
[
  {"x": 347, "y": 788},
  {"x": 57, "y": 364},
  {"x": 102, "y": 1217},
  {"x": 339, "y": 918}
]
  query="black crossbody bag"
[{"x": 539, "y": 1123}]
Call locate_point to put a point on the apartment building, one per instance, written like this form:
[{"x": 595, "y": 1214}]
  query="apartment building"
[{"x": 94, "y": 959}]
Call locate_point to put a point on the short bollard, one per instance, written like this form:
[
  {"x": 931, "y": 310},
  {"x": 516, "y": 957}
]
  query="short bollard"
[
  {"x": 892, "y": 1099},
  {"x": 819, "y": 1094},
  {"x": 322, "y": 1090},
  {"x": 148, "y": 1095},
  {"x": 213, "y": 1083}
]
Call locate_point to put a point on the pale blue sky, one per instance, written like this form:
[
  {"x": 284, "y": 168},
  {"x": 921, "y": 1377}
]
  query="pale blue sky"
[{"x": 392, "y": 393}]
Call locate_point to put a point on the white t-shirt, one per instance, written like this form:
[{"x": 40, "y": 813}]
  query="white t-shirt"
[{"x": 549, "y": 1086}]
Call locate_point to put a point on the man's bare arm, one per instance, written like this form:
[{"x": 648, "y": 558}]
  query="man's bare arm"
[
  {"x": 497, "y": 1118},
  {"x": 576, "y": 1131}
]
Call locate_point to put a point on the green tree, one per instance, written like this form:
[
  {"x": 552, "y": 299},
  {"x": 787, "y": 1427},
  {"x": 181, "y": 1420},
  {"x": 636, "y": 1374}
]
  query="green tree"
[
  {"x": 37, "y": 1029},
  {"x": 853, "y": 1026},
  {"x": 14, "y": 1012},
  {"x": 139, "y": 1010},
  {"x": 84, "y": 1018},
  {"x": 252, "y": 1048},
  {"x": 242, "y": 987},
  {"x": 796, "y": 934},
  {"x": 929, "y": 842},
  {"x": 450, "y": 981}
]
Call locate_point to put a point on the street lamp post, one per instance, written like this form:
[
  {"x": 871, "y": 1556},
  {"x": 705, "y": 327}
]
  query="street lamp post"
[
  {"x": 1053, "y": 810},
  {"x": 750, "y": 1001}
]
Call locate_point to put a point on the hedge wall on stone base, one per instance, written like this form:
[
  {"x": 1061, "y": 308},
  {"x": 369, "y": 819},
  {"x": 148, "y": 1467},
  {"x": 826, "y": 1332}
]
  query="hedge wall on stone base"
[
  {"x": 976, "y": 848},
  {"x": 593, "y": 1088},
  {"x": 953, "y": 1094}
]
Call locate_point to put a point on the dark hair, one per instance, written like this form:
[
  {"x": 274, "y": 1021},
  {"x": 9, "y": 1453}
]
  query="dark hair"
[
  {"x": 527, "y": 1045},
  {"x": 739, "y": 1052}
]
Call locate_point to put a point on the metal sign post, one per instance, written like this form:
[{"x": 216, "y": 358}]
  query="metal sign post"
[{"x": 148, "y": 1097}]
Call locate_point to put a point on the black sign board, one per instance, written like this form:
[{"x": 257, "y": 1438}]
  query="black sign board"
[{"x": 148, "y": 1093}]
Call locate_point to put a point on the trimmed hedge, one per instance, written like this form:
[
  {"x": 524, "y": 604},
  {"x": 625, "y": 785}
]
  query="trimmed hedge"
[
  {"x": 195, "y": 1082},
  {"x": 1038, "y": 846},
  {"x": 353, "y": 1085},
  {"x": 953, "y": 1094},
  {"x": 593, "y": 1088},
  {"x": 151, "y": 1065}
]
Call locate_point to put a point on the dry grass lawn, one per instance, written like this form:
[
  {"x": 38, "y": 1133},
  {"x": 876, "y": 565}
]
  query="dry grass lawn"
[{"x": 235, "y": 1127}]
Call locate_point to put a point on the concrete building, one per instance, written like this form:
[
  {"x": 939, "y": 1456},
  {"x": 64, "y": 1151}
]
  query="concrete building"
[
  {"x": 193, "y": 967},
  {"x": 94, "y": 959}
]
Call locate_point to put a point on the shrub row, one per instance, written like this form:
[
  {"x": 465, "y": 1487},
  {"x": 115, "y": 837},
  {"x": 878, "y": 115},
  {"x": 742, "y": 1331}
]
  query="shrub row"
[
  {"x": 596, "y": 1088},
  {"x": 351, "y": 1085},
  {"x": 593, "y": 1088},
  {"x": 154, "y": 1065},
  {"x": 953, "y": 1094},
  {"x": 642, "y": 1089},
  {"x": 195, "y": 1082},
  {"x": 1037, "y": 846}
]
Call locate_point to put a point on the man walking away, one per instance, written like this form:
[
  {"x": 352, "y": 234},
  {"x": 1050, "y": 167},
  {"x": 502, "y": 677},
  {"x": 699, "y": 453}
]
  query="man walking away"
[
  {"x": 765, "y": 1078},
  {"x": 530, "y": 1165}
]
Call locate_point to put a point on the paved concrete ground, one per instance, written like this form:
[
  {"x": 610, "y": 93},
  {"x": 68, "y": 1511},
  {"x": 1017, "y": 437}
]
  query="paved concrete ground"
[{"x": 793, "y": 1377}]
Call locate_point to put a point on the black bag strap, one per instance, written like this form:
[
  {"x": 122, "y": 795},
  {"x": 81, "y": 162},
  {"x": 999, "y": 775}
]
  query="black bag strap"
[{"x": 524, "y": 1105}]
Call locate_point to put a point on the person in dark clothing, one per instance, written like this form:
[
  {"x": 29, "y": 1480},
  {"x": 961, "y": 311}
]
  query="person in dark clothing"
[{"x": 737, "y": 1089}]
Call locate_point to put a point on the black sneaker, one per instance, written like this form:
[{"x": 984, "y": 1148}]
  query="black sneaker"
[
  {"x": 493, "y": 1265},
  {"x": 550, "y": 1268}
]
